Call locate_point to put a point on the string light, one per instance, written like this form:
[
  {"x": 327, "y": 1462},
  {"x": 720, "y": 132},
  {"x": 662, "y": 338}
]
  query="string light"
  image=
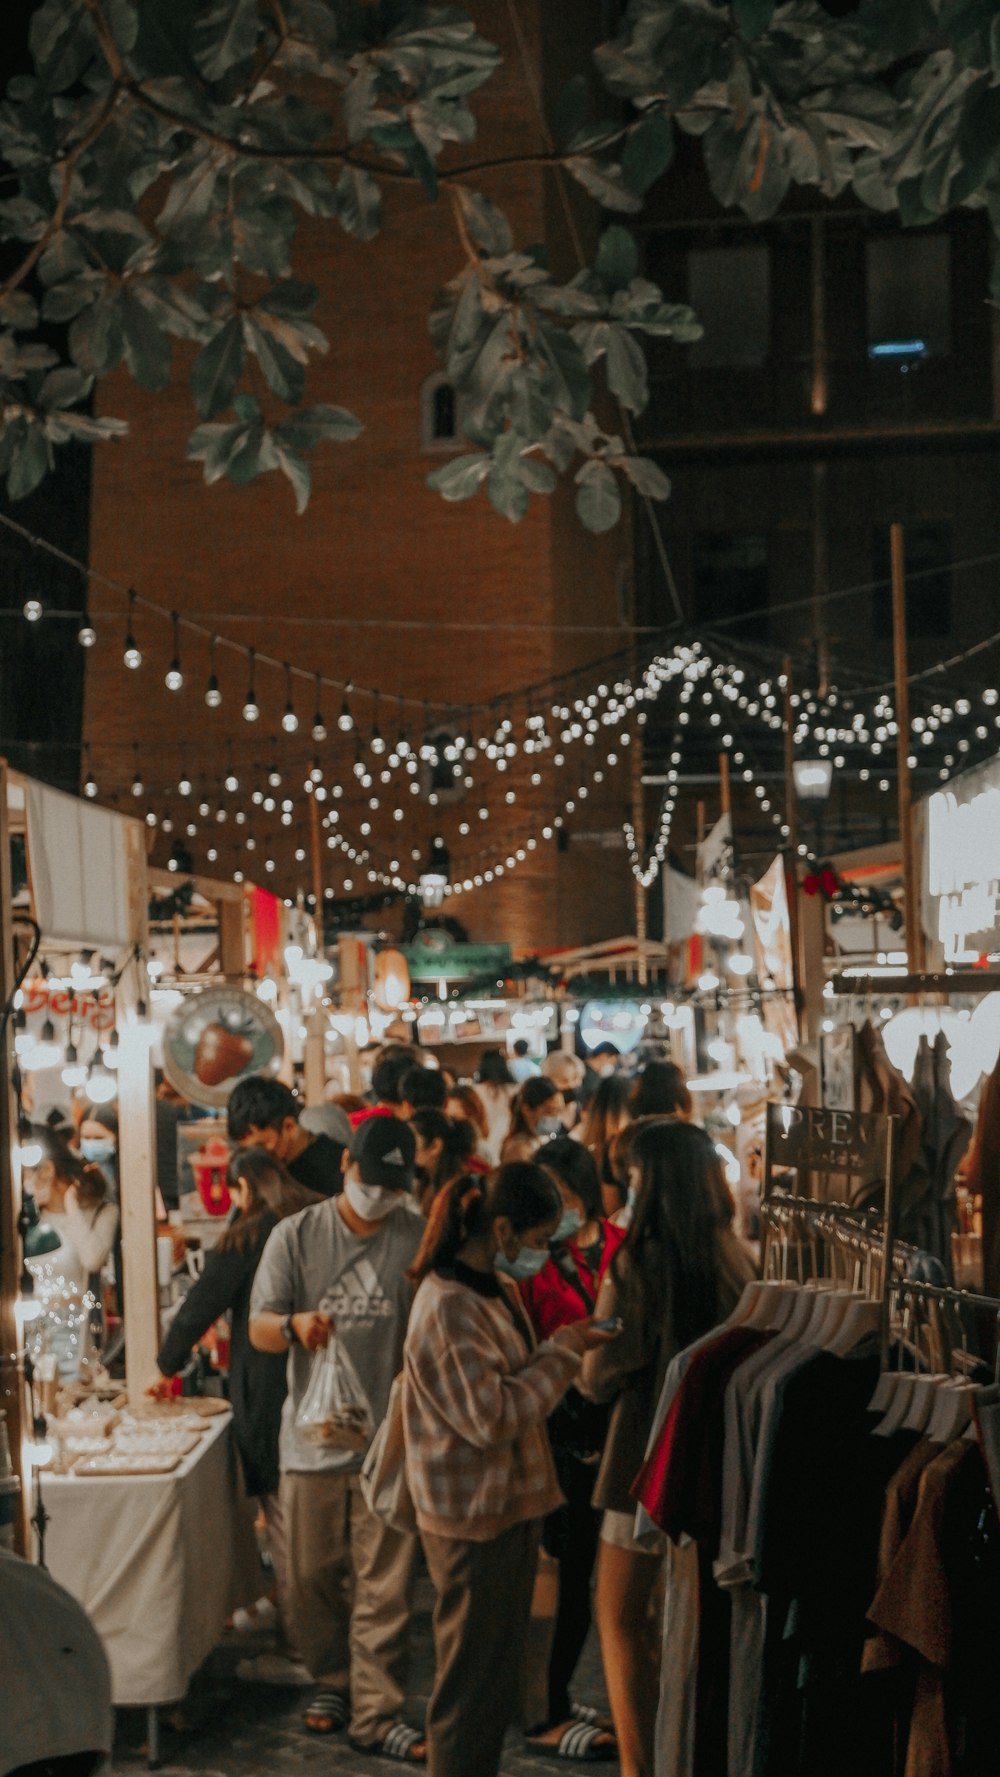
[
  {"x": 174, "y": 677},
  {"x": 213, "y": 692},
  {"x": 33, "y": 610},
  {"x": 319, "y": 726},
  {"x": 137, "y": 785},
  {"x": 130, "y": 654},
  {"x": 251, "y": 708},
  {"x": 289, "y": 720},
  {"x": 345, "y": 721},
  {"x": 86, "y": 634},
  {"x": 89, "y": 782}
]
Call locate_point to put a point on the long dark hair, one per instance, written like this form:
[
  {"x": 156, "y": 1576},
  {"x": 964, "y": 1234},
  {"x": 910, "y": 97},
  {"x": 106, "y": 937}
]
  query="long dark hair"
[
  {"x": 457, "y": 1138},
  {"x": 683, "y": 1209},
  {"x": 71, "y": 1169},
  {"x": 468, "y": 1207},
  {"x": 571, "y": 1163},
  {"x": 493, "y": 1069},
  {"x": 532, "y": 1095},
  {"x": 606, "y": 1114},
  {"x": 660, "y": 1091},
  {"x": 273, "y": 1192}
]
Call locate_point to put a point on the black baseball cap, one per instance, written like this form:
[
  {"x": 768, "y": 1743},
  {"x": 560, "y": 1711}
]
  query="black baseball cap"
[{"x": 384, "y": 1151}]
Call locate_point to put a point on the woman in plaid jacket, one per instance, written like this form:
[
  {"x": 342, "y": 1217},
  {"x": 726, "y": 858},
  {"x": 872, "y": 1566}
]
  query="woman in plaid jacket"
[{"x": 477, "y": 1391}]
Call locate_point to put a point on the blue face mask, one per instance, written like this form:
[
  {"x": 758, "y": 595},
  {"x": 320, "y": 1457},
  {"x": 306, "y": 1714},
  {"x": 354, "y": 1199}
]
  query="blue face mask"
[
  {"x": 570, "y": 1223},
  {"x": 550, "y": 1127},
  {"x": 528, "y": 1263},
  {"x": 97, "y": 1149}
]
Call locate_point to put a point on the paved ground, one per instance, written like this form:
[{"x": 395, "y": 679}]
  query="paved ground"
[{"x": 230, "y": 1729}]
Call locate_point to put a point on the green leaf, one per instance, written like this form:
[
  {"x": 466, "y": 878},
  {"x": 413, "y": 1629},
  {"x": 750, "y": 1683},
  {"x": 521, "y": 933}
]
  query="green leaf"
[
  {"x": 65, "y": 387},
  {"x": 487, "y": 224},
  {"x": 65, "y": 301},
  {"x": 96, "y": 341},
  {"x": 617, "y": 261},
  {"x": 569, "y": 374},
  {"x": 217, "y": 369},
  {"x": 753, "y": 17},
  {"x": 123, "y": 17},
  {"x": 358, "y": 202},
  {"x": 147, "y": 347},
  {"x": 291, "y": 300},
  {"x": 460, "y": 478},
  {"x": 63, "y": 42},
  {"x": 19, "y": 311},
  {"x": 29, "y": 464},
  {"x": 625, "y": 367},
  {"x": 646, "y": 477},
  {"x": 297, "y": 471},
  {"x": 62, "y": 258},
  {"x": 312, "y": 425},
  {"x": 284, "y": 375},
  {"x": 648, "y": 151},
  {"x": 603, "y": 179},
  {"x": 598, "y": 497},
  {"x": 225, "y": 36},
  {"x": 536, "y": 476}
]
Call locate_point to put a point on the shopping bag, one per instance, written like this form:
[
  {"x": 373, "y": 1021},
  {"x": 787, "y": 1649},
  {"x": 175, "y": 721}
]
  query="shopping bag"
[
  {"x": 335, "y": 1411},
  {"x": 384, "y": 1486}
]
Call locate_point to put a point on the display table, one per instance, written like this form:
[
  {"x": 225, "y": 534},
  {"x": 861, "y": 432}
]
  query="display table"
[{"x": 159, "y": 1563}]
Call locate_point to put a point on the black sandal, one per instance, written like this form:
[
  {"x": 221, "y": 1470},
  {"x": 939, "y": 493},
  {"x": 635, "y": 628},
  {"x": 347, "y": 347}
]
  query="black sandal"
[
  {"x": 582, "y": 1742},
  {"x": 327, "y": 1713},
  {"x": 399, "y": 1742}
]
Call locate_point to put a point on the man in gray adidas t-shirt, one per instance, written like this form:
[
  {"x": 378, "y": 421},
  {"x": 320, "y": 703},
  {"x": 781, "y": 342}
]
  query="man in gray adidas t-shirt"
[{"x": 340, "y": 1266}]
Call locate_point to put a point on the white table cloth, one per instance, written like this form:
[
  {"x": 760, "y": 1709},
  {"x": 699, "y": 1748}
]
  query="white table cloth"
[{"x": 159, "y": 1563}]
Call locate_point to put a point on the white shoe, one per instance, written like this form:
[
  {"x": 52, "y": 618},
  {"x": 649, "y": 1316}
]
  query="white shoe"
[
  {"x": 273, "y": 1669},
  {"x": 261, "y": 1615}
]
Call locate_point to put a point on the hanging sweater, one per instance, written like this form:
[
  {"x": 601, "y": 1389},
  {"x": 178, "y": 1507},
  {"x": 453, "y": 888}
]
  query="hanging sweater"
[{"x": 476, "y": 1395}]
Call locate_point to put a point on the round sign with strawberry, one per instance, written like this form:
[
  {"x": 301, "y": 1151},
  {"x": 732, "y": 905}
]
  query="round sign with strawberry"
[{"x": 216, "y": 1037}]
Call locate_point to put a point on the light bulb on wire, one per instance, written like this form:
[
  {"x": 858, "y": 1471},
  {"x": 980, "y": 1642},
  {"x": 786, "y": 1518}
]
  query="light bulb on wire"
[
  {"x": 213, "y": 693},
  {"x": 131, "y": 654},
  {"x": 319, "y": 726},
  {"x": 289, "y": 720},
  {"x": 251, "y": 708},
  {"x": 86, "y": 635},
  {"x": 173, "y": 678}
]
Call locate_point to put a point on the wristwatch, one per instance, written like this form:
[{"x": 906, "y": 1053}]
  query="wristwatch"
[{"x": 288, "y": 1331}]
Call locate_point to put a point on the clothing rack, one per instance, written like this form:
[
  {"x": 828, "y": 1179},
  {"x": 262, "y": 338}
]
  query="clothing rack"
[{"x": 863, "y": 1232}]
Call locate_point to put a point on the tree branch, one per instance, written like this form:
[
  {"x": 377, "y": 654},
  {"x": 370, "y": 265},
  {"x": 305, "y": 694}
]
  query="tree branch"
[{"x": 55, "y": 222}]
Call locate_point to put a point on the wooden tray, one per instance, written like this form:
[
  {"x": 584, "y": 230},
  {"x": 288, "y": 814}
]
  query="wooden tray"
[{"x": 90, "y": 1466}]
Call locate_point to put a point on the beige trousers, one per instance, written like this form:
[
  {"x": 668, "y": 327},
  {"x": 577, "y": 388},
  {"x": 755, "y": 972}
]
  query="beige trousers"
[
  {"x": 350, "y": 1586},
  {"x": 480, "y": 1633}
]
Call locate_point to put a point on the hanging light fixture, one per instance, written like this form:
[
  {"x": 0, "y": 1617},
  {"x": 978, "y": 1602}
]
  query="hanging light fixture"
[
  {"x": 434, "y": 875},
  {"x": 319, "y": 726},
  {"x": 376, "y": 743},
  {"x": 213, "y": 694},
  {"x": 174, "y": 677},
  {"x": 86, "y": 634},
  {"x": 102, "y": 1086},
  {"x": 137, "y": 784},
  {"x": 251, "y": 708},
  {"x": 131, "y": 653},
  {"x": 89, "y": 782},
  {"x": 289, "y": 720},
  {"x": 33, "y": 610},
  {"x": 345, "y": 721}
]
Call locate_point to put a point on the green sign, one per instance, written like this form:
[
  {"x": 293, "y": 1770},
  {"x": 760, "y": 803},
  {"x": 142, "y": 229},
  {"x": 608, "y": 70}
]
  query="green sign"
[{"x": 436, "y": 958}]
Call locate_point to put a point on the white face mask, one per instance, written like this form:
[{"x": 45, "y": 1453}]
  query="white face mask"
[{"x": 371, "y": 1202}]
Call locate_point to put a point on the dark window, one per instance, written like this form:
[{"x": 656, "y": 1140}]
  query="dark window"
[
  {"x": 929, "y": 558},
  {"x": 909, "y": 296},
  {"x": 729, "y": 578},
  {"x": 729, "y": 289},
  {"x": 443, "y": 413}
]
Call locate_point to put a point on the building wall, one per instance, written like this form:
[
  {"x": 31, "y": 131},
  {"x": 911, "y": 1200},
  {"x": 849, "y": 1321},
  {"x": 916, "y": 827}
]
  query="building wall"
[{"x": 376, "y": 548}]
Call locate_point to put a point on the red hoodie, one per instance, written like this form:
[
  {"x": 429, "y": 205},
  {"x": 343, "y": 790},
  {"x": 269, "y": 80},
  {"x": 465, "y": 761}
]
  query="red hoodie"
[{"x": 551, "y": 1299}]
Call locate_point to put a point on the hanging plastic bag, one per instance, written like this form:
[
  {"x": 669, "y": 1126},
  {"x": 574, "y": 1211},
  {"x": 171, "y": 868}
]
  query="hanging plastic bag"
[{"x": 335, "y": 1410}]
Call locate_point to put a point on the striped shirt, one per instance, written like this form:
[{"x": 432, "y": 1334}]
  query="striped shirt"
[{"x": 475, "y": 1400}]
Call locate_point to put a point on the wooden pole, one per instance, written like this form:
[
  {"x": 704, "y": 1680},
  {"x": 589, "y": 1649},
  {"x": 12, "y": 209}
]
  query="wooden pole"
[
  {"x": 915, "y": 950},
  {"x": 11, "y": 1346},
  {"x": 792, "y": 823}
]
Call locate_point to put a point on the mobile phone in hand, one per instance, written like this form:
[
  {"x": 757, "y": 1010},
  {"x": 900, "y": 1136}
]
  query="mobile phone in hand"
[{"x": 613, "y": 1324}]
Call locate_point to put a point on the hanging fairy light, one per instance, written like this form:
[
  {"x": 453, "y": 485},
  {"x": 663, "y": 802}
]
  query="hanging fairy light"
[
  {"x": 33, "y": 610},
  {"x": 173, "y": 678},
  {"x": 86, "y": 634},
  {"x": 89, "y": 782},
  {"x": 319, "y": 726},
  {"x": 137, "y": 784},
  {"x": 376, "y": 743},
  {"x": 251, "y": 708},
  {"x": 131, "y": 654},
  {"x": 289, "y": 720},
  {"x": 213, "y": 692},
  {"x": 345, "y": 721}
]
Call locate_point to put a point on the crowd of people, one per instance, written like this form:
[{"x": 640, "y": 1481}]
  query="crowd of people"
[{"x": 525, "y": 1257}]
